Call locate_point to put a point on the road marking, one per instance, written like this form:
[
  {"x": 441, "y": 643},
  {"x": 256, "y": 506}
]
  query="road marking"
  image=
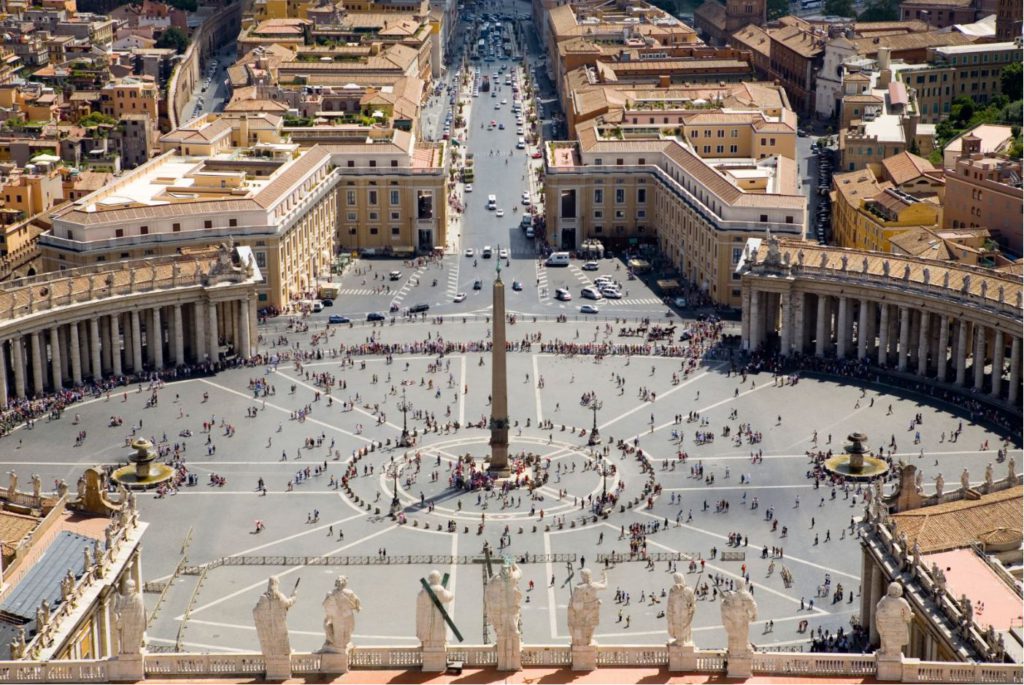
[
  {"x": 739, "y": 487},
  {"x": 647, "y": 403},
  {"x": 396, "y": 301},
  {"x": 197, "y": 645},
  {"x": 462, "y": 395},
  {"x": 550, "y": 573},
  {"x": 355, "y": 407},
  {"x": 291, "y": 570},
  {"x": 453, "y": 279},
  {"x": 536, "y": 392}
]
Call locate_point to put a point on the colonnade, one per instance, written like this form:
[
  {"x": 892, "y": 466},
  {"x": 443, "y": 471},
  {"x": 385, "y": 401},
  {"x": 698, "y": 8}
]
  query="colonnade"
[
  {"x": 60, "y": 353},
  {"x": 960, "y": 346}
]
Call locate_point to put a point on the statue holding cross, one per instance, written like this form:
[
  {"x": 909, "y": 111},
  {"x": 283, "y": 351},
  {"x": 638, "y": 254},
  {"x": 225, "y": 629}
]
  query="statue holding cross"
[{"x": 432, "y": 620}]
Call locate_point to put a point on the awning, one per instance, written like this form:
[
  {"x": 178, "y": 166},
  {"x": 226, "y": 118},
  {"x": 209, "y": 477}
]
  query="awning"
[{"x": 668, "y": 284}]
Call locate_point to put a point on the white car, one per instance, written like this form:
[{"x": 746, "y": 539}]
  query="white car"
[
  {"x": 499, "y": 212},
  {"x": 469, "y": 252},
  {"x": 590, "y": 294},
  {"x": 469, "y": 188},
  {"x": 504, "y": 101},
  {"x": 588, "y": 309},
  {"x": 563, "y": 294},
  {"x": 611, "y": 293},
  {"x": 526, "y": 197},
  {"x": 590, "y": 266},
  {"x": 497, "y": 105},
  {"x": 459, "y": 297},
  {"x": 502, "y": 253}
]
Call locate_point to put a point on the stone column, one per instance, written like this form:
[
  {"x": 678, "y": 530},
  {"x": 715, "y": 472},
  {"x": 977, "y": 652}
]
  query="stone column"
[
  {"x": 213, "y": 340},
  {"x": 156, "y": 340},
  {"x": 842, "y": 327},
  {"x": 867, "y": 572},
  {"x": 179, "y": 336},
  {"x": 105, "y": 346},
  {"x": 876, "y": 590},
  {"x": 1014, "y": 370},
  {"x": 18, "y": 360},
  {"x": 798, "y": 303},
  {"x": 998, "y": 350},
  {"x": 745, "y": 319},
  {"x": 819, "y": 341},
  {"x": 76, "y": 353},
  {"x": 961, "y": 352},
  {"x": 3, "y": 374},
  {"x": 862, "y": 329},
  {"x": 904, "y": 337},
  {"x": 979, "y": 356},
  {"x": 922, "y": 345},
  {"x": 942, "y": 358},
  {"x": 136, "y": 342},
  {"x": 37, "y": 364},
  {"x": 94, "y": 348},
  {"x": 199, "y": 324},
  {"x": 756, "y": 319},
  {"x": 883, "y": 335},
  {"x": 115, "y": 344},
  {"x": 244, "y": 343},
  {"x": 65, "y": 354},
  {"x": 56, "y": 376}
]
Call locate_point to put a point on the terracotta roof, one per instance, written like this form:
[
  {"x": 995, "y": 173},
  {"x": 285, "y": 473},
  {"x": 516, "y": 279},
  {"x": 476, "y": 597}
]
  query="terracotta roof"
[
  {"x": 936, "y": 3},
  {"x": 290, "y": 176},
  {"x": 799, "y": 40},
  {"x": 712, "y": 12},
  {"x": 957, "y": 524},
  {"x": 905, "y": 167},
  {"x": 919, "y": 241},
  {"x": 867, "y": 47},
  {"x": 754, "y": 38}
]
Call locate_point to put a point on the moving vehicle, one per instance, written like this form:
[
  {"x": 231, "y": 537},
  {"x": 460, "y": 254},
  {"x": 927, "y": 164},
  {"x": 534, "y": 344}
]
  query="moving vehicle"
[
  {"x": 537, "y": 154},
  {"x": 492, "y": 202},
  {"x": 477, "y": 284},
  {"x": 588, "y": 309},
  {"x": 417, "y": 308},
  {"x": 521, "y": 144},
  {"x": 375, "y": 316},
  {"x": 469, "y": 188},
  {"x": 563, "y": 294},
  {"x": 394, "y": 275},
  {"x": 460, "y": 297},
  {"x": 486, "y": 252},
  {"x": 558, "y": 259},
  {"x": 590, "y": 266},
  {"x": 611, "y": 293},
  {"x": 517, "y": 286},
  {"x": 529, "y": 232},
  {"x": 338, "y": 318},
  {"x": 526, "y": 197},
  {"x": 499, "y": 212},
  {"x": 469, "y": 252},
  {"x": 317, "y": 306},
  {"x": 327, "y": 302},
  {"x": 526, "y": 221},
  {"x": 590, "y": 294},
  {"x": 503, "y": 253}
]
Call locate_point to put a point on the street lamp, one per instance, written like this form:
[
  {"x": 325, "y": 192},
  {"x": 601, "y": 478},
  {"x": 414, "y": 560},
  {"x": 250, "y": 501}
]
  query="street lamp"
[
  {"x": 595, "y": 435},
  {"x": 396, "y": 504},
  {"x": 404, "y": 407}
]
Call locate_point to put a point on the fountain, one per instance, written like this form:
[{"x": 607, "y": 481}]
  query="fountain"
[
  {"x": 856, "y": 463},
  {"x": 144, "y": 472}
]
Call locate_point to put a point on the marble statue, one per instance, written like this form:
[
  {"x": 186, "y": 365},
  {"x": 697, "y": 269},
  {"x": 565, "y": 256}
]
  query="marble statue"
[
  {"x": 988, "y": 477},
  {"x": 271, "y": 616},
  {"x": 919, "y": 480},
  {"x": 892, "y": 620},
  {"x": 967, "y": 607},
  {"x": 12, "y": 483},
  {"x": 682, "y": 604},
  {"x": 431, "y": 629},
  {"x": 965, "y": 480},
  {"x": 18, "y": 644},
  {"x": 940, "y": 483},
  {"x": 130, "y": 619},
  {"x": 585, "y": 608},
  {"x": 37, "y": 486},
  {"x": 503, "y": 600},
  {"x": 1011, "y": 470},
  {"x": 340, "y": 608},
  {"x": 738, "y": 610}
]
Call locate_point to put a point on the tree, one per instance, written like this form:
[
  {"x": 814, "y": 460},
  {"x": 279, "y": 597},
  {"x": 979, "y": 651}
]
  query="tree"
[
  {"x": 777, "y": 9},
  {"x": 187, "y": 5},
  {"x": 96, "y": 119},
  {"x": 1010, "y": 81},
  {"x": 962, "y": 110},
  {"x": 840, "y": 8},
  {"x": 173, "y": 38}
]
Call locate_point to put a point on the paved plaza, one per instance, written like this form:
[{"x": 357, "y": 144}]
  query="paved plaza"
[{"x": 263, "y": 437}]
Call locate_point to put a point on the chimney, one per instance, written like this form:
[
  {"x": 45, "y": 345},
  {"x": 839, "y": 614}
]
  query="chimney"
[
  {"x": 664, "y": 81},
  {"x": 243, "y": 130}
]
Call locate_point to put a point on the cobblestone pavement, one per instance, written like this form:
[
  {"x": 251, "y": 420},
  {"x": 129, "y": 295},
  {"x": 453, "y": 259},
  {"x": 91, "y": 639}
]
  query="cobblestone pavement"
[{"x": 214, "y": 526}]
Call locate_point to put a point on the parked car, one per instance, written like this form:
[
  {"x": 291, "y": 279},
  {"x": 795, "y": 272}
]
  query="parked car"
[
  {"x": 590, "y": 294},
  {"x": 563, "y": 294},
  {"x": 417, "y": 308},
  {"x": 460, "y": 297},
  {"x": 517, "y": 286},
  {"x": 591, "y": 266},
  {"x": 477, "y": 284}
]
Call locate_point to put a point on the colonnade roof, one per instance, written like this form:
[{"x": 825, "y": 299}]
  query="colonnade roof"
[{"x": 993, "y": 286}]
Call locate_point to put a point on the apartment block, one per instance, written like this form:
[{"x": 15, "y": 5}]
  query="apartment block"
[{"x": 131, "y": 95}]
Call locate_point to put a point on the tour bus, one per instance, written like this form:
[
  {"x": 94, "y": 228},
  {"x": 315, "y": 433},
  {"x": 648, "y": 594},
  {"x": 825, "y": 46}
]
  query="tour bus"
[
  {"x": 558, "y": 259},
  {"x": 492, "y": 202}
]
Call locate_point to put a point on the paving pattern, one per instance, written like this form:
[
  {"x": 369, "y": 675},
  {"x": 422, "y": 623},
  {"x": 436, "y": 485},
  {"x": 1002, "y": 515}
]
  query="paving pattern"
[{"x": 315, "y": 530}]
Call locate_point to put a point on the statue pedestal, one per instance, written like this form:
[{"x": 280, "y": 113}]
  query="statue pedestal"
[
  {"x": 889, "y": 667},
  {"x": 740, "y": 665},
  {"x": 510, "y": 658},
  {"x": 435, "y": 659},
  {"x": 334, "y": 663},
  {"x": 278, "y": 667},
  {"x": 584, "y": 658},
  {"x": 682, "y": 657},
  {"x": 130, "y": 668}
]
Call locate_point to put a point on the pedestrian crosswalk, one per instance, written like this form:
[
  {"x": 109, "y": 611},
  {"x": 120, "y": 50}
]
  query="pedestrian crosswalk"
[
  {"x": 634, "y": 301},
  {"x": 404, "y": 290},
  {"x": 357, "y": 291},
  {"x": 453, "y": 276},
  {"x": 542, "y": 282}
]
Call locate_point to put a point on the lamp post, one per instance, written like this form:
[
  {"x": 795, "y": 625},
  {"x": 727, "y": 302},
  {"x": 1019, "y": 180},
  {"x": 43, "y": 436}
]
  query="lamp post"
[
  {"x": 396, "y": 504},
  {"x": 595, "y": 435},
  {"x": 404, "y": 407}
]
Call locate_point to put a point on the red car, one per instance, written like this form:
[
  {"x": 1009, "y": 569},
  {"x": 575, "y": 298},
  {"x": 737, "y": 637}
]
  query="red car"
[{"x": 537, "y": 155}]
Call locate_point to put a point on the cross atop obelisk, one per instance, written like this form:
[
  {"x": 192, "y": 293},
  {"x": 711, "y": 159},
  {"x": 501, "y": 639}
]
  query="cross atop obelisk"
[{"x": 499, "y": 384}]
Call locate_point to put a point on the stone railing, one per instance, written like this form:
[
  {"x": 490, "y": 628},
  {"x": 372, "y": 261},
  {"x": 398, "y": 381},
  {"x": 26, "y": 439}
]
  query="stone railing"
[{"x": 253, "y": 665}]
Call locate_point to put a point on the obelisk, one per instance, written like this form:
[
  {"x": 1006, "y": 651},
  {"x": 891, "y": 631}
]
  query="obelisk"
[{"x": 499, "y": 384}]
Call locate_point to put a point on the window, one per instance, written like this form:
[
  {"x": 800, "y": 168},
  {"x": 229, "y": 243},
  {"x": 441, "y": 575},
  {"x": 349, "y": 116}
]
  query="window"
[
  {"x": 620, "y": 195},
  {"x": 232, "y": 222},
  {"x": 119, "y": 233},
  {"x": 350, "y": 216},
  {"x": 721, "y": 133},
  {"x": 719, "y": 149},
  {"x": 395, "y": 216},
  {"x": 374, "y": 216},
  {"x": 620, "y": 214},
  {"x": 350, "y": 197},
  {"x": 395, "y": 199},
  {"x": 394, "y": 162},
  {"x": 789, "y": 219},
  {"x": 764, "y": 218},
  {"x": 373, "y": 162},
  {"x": 374, "y": 231},
  {"x": 641, "y": 195},
  {"x": 143, "y": 230},
  {"x": 598, "y": 196},
  {"x": 176, "y": 228},
  {"x": 618, "y": 161},
  {"x": 642, "y": 160},
  {"x": 207, "y": 224},
  {"x": 395, "y": 231},
  {"x": 733, "y": 149},
  {"x": 598, "y": 214},
  {"x": 372, "y": 197},
  {"x": 351, "y": 163},
  {"x": 261, "y": 259},
  {"x": 734, "y": 133},
  {"x": 598, "y": 229},
  {"x": 737, "y": 252}
]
